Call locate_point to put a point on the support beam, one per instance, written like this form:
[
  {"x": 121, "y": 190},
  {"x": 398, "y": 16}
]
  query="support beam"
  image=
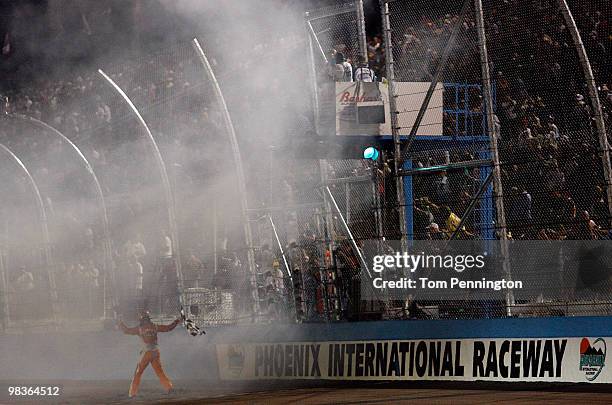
[
  {"x": 342, "y": 10},
  {"x": 108, "y": 250},
  {"x": 361, "y": 29},
  {"x": 242, "y": 191},
  {"x": 348, "y": 180},
  {"x": 472, "y": 205},
  {"x": 215, "y": 232},
  {"x": 161, "y": 165},
  {"x": 490, "y": 118},
  {"x": 399, "y": 183},
  {"x": 285, "y": 262},
  {"x": 313, "y": 37},
  {"x": 498, "y": 192},
  {"x": 447, "y": 168},
  {"x": 280, "y": 248},
  {"x": 604, "y": 145},
  {"x": 313, "y": 77},
  {"x": 434, "y": 81},
  {"x": 44, "y": 227},
  {"x": 349, "y": 234}
]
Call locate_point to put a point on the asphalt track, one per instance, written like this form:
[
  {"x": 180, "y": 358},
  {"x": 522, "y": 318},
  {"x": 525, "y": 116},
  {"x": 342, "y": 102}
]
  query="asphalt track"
[{"x": 191, "y": 392}]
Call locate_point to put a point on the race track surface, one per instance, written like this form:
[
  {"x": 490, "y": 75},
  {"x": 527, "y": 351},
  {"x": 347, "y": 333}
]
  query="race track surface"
[{"x": 192, "y": 392}]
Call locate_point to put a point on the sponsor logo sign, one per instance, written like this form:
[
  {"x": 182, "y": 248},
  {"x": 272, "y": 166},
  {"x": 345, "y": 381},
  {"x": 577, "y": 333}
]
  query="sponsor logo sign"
[
  {"x": 520, "y": 360},
  {"x": 235, "y": 359},
  {"x": 592, "y": 357},
  {"x": 410, "y": 96}
]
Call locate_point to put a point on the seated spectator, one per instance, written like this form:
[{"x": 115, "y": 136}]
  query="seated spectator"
[
  {"x": 585, "y": 228},
  {"x": 553, "y": 130},
  {"x": 519, "y": 216},
  {"x": 433, "y": 232}
]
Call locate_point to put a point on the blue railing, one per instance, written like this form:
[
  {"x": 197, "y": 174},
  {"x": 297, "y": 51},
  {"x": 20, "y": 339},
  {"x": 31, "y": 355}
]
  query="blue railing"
[{"x": 463, "y": 103}]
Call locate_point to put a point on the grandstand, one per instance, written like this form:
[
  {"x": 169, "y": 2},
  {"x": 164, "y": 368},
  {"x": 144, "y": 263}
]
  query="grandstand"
[
  {"x": 550, "y": 170},
  {"x": 225, "y": 174}
]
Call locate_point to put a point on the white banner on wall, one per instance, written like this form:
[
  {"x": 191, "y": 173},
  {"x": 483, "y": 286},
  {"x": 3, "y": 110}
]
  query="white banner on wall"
[
  {"x": 510, "y": 360},
  {"x": 410, "y": 96}
]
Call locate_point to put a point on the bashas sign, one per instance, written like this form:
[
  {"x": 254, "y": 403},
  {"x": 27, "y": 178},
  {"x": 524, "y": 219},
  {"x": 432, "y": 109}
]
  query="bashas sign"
[{"x": 359, "y": 108}]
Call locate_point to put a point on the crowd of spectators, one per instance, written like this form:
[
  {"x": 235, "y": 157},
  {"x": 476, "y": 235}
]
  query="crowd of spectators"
[
  {"x": 550, "y": 154},
  {"x": 551, "y": 167},
  {"x": 175, "y": 97},
  {"x": 83, "y": 109}
]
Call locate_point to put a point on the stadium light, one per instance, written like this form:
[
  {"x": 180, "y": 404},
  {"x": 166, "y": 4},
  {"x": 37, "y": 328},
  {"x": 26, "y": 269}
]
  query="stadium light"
[{"x": 371, "y": 153}]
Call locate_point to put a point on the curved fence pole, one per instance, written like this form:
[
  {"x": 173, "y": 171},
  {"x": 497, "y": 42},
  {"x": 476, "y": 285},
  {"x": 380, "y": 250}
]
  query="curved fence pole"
[
  {"x": 229, "y": 127},
  {"x": 362, "y": 261},
  {"x": 164, "y": 177},
  {"x": 42, "y": 216},
  {"x": 108, "y": 252},
  {"x": 604, "y": 145}
]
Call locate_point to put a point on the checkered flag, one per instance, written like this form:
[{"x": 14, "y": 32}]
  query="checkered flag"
[{"x": 190, "y": 325}]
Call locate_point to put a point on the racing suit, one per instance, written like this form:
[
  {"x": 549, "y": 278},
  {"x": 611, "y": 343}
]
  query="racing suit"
[{"x": 149, "y": 353}]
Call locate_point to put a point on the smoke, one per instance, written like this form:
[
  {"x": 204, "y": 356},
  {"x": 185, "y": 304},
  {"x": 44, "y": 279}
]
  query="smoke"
[{"x": 257, "y": 52}]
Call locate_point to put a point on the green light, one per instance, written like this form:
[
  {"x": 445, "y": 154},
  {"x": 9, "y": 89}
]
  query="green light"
[{"x": 371, "y": 153}]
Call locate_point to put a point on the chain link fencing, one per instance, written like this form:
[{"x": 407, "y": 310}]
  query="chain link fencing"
[
  {"x": 214, "y": 277},
  {"x": 72, "y": 265},
  {"x": 312, "y": 248},
  {"x": 550, "y": 157},
  {"x": 336, "y": 31}
]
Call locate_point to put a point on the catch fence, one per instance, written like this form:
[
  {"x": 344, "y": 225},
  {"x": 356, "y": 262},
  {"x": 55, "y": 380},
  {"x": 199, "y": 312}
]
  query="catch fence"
[{"x": 316, "y": 222}]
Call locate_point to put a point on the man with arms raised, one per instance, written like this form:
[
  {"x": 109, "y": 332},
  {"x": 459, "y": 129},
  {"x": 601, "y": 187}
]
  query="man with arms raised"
[{"x": 147, "y": 331}]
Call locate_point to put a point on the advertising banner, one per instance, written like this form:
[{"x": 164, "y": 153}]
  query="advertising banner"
[
  {"x": 506, "y": 360},
  {"x": 351, "y": 95}
]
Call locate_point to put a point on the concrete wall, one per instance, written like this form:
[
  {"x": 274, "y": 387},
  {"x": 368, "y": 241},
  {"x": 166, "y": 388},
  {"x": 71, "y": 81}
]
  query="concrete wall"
[{"x": 112, "y": 355}]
